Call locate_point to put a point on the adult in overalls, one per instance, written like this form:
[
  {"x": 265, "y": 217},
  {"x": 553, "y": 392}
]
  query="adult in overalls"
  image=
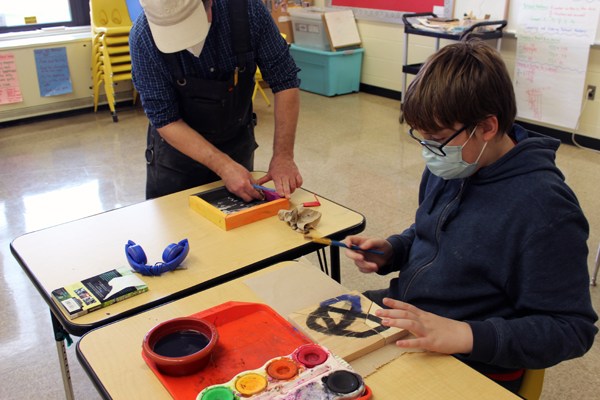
[{"x": 193, "y": 63}]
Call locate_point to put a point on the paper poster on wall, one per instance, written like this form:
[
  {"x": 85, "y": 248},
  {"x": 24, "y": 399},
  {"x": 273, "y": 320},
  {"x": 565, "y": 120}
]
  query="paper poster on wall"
[
  {"x": 391, "y": 5},
  {"x": 391, "y": 11},
  {"x": 53, "y": 71},
  {"x": 553, "y": 44},
  {"x": 10, "y": 92}
]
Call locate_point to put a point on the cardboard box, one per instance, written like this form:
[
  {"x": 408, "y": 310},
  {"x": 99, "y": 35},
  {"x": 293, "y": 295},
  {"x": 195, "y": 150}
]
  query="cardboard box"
[
  {"x": 309, "y": 29},
  {"x": 280, "y": 12},
  {"x": 229, "y": 211}
]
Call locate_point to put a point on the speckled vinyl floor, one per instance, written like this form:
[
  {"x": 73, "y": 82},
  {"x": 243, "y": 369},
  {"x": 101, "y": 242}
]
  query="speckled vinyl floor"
[{"x": 350, "y": 149}]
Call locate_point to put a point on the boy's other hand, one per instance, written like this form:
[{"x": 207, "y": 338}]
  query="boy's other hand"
[
  {"x": 433, "y": 332},
  {"x": 368, "y": 262}
]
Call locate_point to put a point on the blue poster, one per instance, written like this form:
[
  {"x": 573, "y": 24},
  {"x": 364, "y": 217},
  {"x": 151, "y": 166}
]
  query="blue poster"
[{"x": 53, "y": 71}]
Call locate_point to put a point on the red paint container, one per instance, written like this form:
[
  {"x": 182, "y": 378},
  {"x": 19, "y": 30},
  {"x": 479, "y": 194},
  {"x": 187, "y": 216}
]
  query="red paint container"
[
  {"x": 181, "y": 346},
  {"x": 310, "y": 355}
]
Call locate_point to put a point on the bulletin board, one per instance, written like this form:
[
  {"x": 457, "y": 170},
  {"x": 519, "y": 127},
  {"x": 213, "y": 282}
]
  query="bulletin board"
[{"x": 389, "y": 10}]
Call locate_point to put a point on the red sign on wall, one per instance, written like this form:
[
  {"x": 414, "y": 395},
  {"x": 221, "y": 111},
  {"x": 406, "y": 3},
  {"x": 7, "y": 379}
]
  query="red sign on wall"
[{"x": 391, "y": 5}]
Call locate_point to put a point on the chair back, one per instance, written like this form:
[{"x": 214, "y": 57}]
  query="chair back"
[
  {"x": 533, "y": 382},
  {"x": 109, "y": 14}
]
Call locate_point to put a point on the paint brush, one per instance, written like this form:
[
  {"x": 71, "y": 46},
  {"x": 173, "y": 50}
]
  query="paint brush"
[
  {"x": 330, "y": 242},
  {"x": 263, "y": 188}
]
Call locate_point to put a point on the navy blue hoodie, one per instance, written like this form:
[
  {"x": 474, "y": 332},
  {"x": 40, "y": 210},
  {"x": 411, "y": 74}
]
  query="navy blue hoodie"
[{"x": 504, "y": 250}]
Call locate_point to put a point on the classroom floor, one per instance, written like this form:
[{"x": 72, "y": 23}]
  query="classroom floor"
[{"x": 350, "y": 149}]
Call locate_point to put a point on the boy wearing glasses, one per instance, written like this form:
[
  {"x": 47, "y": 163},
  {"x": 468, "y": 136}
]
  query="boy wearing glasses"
[{"x": 494, "y": 269}]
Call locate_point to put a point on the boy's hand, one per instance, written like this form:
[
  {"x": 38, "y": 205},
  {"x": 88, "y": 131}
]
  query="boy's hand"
[
  {"x": 368, "y": 262},
  {"x": 433, "y": 332}
]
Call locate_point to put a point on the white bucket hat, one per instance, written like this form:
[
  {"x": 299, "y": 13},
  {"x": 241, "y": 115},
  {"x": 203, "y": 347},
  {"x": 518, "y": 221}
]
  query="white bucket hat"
[{"x": 176, "y": 24}]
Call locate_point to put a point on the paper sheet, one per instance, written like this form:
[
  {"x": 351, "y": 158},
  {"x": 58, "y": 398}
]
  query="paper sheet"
[
  {"x": 53, "y": 71},
  {"x": 118, "y": 284},
  {"x": 553, "y": 46},
  {"x": 296, "y": 286},
  {"x": 301, "y": 285},
  {"x": 10, "y": 91}
]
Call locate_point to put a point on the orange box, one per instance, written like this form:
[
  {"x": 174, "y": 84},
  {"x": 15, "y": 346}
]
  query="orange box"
[{"x": 229, "y": 211}]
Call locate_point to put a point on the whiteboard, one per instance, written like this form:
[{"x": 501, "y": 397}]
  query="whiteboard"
[
  {"x": 513, "y": 18},
  {"x": 496, "y": 8}
]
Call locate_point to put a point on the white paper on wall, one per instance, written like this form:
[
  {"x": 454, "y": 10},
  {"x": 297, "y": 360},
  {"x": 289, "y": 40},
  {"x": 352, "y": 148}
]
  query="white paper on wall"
[{"x": 553, "y": 45}]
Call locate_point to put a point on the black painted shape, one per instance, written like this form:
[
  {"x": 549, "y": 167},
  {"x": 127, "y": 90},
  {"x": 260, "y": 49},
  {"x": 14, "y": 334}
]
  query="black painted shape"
[{"x": 339, "y": 329}]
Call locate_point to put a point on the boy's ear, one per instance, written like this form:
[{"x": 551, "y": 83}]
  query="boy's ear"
[{"x": 490, "y": 128}]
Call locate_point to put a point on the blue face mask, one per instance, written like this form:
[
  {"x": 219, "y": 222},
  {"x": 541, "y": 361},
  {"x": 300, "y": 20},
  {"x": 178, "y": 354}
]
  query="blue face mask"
[{"x": 452, "y": 165}]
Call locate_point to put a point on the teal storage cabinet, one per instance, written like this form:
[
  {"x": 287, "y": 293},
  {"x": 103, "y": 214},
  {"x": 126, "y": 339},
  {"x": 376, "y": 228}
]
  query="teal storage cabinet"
[{"x": 327, "y": 72}]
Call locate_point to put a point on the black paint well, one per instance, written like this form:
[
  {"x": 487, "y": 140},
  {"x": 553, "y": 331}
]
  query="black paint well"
[
  {"x": 342, "y": 382},
  {"x": 180, "y": 344}
]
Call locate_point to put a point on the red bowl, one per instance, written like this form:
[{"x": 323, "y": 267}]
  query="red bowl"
[{"x": 185, "y": 364}]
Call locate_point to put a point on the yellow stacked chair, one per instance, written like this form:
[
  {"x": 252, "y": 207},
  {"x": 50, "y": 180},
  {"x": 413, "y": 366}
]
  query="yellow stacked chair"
[
  {"x": 258, "y": 78},
  {"x": 111, "y": 61}
]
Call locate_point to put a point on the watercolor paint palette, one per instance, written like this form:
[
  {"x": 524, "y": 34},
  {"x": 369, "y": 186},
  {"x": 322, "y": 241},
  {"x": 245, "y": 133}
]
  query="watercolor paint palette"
[
  {"x": 250, "y": 334},
  {"x": 311, "y": 372}
]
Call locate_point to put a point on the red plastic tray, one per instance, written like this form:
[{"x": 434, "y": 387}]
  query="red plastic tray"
[{"x": 250, "y": 334}]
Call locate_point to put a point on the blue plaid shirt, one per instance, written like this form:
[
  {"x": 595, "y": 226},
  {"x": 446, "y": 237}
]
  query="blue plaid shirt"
[{"x": 153, "y": 77}]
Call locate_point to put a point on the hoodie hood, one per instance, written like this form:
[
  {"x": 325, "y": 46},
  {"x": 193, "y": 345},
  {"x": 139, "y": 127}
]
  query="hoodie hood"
[{"x": 533, "y": 152}]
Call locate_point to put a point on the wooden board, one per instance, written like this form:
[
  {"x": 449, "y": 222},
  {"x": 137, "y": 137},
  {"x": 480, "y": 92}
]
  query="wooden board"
[
  {"x": 346, "y": 325},
  {"x": 341, "y": 29}
]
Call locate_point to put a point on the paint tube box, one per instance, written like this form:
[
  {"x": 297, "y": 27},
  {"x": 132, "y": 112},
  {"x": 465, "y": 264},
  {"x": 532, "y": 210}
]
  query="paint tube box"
[{"x": 98, "y": 292}]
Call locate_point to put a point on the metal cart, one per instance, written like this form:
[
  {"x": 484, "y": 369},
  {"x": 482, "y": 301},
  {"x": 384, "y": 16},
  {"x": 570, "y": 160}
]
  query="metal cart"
[{"x": 409, "y": 29}]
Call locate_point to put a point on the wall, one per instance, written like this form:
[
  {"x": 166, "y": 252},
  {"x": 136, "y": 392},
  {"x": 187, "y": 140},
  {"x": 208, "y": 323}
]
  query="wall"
[
  {"x": 79, "y": 53},
  {"x": 382, "y": 64}
]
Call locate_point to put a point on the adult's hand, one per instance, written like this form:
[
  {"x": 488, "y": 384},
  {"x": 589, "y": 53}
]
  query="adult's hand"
[
  {"x": 433, "y": 332},
  {"x": 369, "y": 262},
  {"x": 284, "y": 173},
  {"x": 239, "y": 181}
]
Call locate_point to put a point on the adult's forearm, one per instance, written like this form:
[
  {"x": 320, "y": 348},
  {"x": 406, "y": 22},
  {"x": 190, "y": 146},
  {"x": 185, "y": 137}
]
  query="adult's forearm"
[
  {"x": 287, "y": 105},
  {"x": 185, "y": 139}
]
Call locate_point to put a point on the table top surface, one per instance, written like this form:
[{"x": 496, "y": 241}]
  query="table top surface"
[
  {"x": 112, "y": 356},
  {"x": 67, "y": 253}
]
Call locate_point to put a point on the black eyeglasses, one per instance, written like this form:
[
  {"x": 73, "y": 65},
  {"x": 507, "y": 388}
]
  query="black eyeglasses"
[{"x": 437, "y": 149}]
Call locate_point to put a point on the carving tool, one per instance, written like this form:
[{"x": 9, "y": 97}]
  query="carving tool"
[{"x": 330, "y": 242}]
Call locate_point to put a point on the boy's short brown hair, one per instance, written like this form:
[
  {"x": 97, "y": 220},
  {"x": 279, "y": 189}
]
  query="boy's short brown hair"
[{"x": 465, "y": 82}]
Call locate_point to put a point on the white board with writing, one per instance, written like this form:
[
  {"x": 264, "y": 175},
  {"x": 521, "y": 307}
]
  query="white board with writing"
[
  {"x": 515, "y": 6},
  {"x": 342, "y": 29},
  {"x": 553, "y": 45}
]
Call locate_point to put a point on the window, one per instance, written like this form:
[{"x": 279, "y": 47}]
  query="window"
[{"x": 25, "y": 15}]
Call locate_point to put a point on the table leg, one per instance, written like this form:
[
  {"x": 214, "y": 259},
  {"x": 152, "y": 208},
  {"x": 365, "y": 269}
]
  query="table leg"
[
  {"x": 59, "y": 333},
  {"x": 335, "y": 263}
]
